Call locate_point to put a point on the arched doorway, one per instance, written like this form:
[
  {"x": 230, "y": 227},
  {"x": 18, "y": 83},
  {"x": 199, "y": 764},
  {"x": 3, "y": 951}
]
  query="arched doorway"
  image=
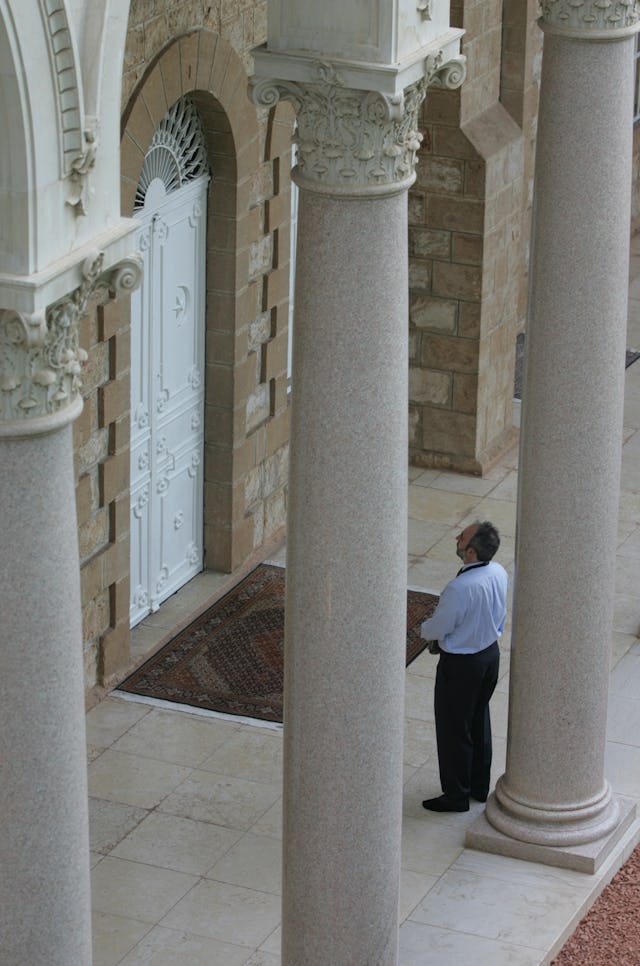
[{"x": 167, "y": 363}]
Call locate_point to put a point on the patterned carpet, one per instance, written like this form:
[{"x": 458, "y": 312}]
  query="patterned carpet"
[{"x": 231, "y": 658}]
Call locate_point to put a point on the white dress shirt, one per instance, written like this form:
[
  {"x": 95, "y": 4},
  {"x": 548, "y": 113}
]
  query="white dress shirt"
[{"x": 472, "y": 610}]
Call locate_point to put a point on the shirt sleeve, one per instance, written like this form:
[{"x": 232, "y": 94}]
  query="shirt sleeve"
[{"x": 446, "y": 616}]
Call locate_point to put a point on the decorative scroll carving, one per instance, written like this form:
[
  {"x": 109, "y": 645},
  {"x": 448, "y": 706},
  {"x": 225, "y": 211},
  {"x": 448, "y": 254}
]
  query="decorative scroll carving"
[
  {"x": 40, "y": 356},
  {"x": 591, "y": 16},
  {"x": 448, "y": 74},
  {"x": 356, "y": 139},
  {"x": 425, "y": 9}
]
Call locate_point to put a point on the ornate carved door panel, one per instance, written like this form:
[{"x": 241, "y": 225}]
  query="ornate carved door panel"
[{"x": 167, "y": 388}]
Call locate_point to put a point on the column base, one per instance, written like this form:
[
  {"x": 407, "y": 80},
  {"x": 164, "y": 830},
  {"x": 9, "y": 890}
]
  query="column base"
[{"x": 588, "y": 857}]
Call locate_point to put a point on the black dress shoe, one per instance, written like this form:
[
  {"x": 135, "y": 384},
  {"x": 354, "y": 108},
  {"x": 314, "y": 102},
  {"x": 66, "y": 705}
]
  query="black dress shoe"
[
  {"x": 444, "y": 804},
  {"x": 479, "y": 796}
]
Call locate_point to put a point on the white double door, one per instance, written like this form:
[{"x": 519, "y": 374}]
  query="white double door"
[{"x": 167, "y": 396}]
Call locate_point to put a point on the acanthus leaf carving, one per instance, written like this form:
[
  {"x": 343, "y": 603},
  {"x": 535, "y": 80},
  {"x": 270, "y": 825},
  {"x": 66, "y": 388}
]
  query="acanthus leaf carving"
[
  {"x": 356, "y": 139},
  {"x": 591, "y": 17},
  {"x": 40, "y": 355}
]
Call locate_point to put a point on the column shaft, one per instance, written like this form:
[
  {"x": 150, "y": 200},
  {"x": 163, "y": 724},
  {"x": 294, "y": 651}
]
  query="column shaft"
[
  {"x": 346, "y": 583},
  {"x": 554, "y": 791},
  {"x": 44, "y": 847}
]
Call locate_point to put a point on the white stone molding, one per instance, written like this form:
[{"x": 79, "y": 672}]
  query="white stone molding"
[
  {"x": 591, "y": 19},
  {"x": 356, "y": 140},
  {"x": 40, "y": 355},
  {"x": 79, "y": 134}
]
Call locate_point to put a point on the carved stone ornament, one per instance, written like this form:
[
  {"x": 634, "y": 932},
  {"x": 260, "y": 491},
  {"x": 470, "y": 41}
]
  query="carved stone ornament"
[
  {"x": 591, "y": 17},
  {"x": 40, "y": 355},
  {"x": 354, "y": 139},
  {"x": 81, "y": 167}
]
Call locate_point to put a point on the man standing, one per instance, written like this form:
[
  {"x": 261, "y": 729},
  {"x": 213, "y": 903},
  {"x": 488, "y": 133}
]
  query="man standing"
[{"x": 467, "y": 622}]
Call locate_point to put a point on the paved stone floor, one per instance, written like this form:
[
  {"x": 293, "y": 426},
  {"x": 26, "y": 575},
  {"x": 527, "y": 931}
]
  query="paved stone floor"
[{"x": 186, "y": 809}]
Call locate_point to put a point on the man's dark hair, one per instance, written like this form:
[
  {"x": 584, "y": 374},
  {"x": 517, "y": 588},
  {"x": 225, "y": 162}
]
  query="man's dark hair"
[{"x": 485, "y": 541}]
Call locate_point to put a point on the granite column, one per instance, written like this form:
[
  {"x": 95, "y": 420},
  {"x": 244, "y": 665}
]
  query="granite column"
[
  {"x": 347, "y": 520},
  {"x": 553, "y": 804},
  {"x": 44, "y": 843}
]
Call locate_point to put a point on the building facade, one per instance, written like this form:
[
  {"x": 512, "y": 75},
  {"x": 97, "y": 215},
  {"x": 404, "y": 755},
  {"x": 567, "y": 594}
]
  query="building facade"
[
  {"x": 145, "y": 420},
  {"x": 469, "y": 215}
]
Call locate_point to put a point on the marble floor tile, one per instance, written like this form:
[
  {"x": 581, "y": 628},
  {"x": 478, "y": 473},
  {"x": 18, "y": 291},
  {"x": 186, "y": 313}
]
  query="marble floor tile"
[
  {"x": 229, "y": 913},
  {"x": 507, "y": 489},
  {"x": 255, "y": 861},
  {"x": 414, "y": 886},
  {"x": 625, "y": 677},
  {"x": 513, "y": 912},
  {"x": 626, "y": 614},
  {"x": 425, "y": 503},
  {"x": 137, "y": 891},
  {"x": 419, "y": 742},
  {"x": 114, "y": 936},
  {"x": 477, "y": 486},
  {"x": 171, "y": 947},
  {"x": 421, "y": 477},
  {"x": 621, "y": 644},
  {"x": 232, "y": 802},
  {"x": 424, "y": 534},
  {"x": 622, "y": 768},
  {"x": 273, "y": 942},
  {"x": 424, "y": 665},
  {"x": 249, "y": 753},
  {"x": 263, "y": 958},
  {"x": 181, "y": 844},
  {"x": 430, "y": 573},
  {"x": 424, "y": 945},
  {"x": 418, "y": 701},
  {"x": 271, "y": 822},
  {"x": 110, "y": 719},
  {"x": 524, "y": 874},
  {"x": 133, "y": 780},
  {"x": 109, "y": 822},
  {"x": 429, "y": 847},
  {"x": 183, "y": 739}
]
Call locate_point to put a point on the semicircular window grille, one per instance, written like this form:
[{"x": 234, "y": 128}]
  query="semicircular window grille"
[{"x": 177, "y": 153}]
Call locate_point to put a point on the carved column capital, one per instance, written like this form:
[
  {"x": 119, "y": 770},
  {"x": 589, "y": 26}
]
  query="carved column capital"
[
  {"x": 591, "y": 19},
  {"x": 353, "y": 141},
  {"x": 40, "y": 355}
]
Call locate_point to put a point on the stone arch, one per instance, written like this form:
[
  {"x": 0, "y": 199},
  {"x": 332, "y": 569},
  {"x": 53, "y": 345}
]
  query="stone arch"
[
  {"x": 206, "y": 67},
  {"x": 30, "y": 90}
]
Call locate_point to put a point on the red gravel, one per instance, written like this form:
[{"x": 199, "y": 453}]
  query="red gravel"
[{"x": 610, "y": 932}]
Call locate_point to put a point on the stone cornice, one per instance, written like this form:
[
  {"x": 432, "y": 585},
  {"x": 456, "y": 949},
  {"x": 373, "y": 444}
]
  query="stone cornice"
[
  {"x": 352, "y": 140},
  {"x": 40, "y": 355},
  {"x": 591, "y": 19}
]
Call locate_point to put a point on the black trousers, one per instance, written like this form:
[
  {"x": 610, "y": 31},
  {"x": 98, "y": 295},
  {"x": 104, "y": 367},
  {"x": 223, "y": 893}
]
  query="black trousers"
[{"x": 464, "y": 685}]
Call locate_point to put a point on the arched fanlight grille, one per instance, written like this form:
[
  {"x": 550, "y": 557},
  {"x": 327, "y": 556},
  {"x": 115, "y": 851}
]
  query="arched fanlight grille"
[{"x": 177, "y": 153}]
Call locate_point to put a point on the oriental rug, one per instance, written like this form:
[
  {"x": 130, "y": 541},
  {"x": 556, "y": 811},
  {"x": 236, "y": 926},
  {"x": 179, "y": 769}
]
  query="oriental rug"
[{"x": 230, "y": 659}]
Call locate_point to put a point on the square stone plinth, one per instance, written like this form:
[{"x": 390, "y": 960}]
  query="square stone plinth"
[{"x": 583, "y": 858}]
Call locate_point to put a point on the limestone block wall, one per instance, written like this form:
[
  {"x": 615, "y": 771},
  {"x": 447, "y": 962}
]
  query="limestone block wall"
[
  {"x": 465, "y": 248},
  {"x": 101, "y": 442},
  {"x": 198, "y": 49}
]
